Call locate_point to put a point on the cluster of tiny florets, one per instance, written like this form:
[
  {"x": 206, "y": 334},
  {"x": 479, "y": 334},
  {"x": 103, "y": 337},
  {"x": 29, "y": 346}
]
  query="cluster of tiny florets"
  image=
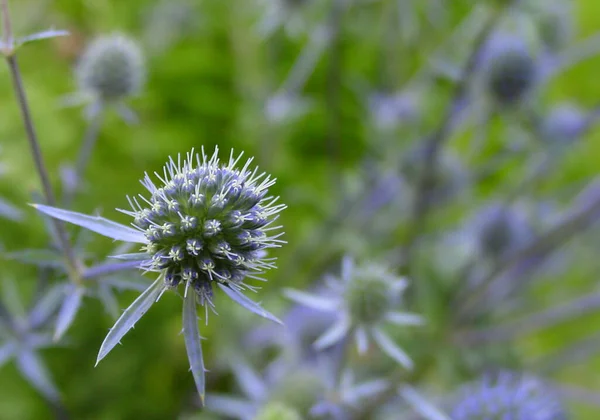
[
  {"x": 112, "y": 67},
  {"x": 508, "y": 396},
  {"x": 207, "y": 223}
]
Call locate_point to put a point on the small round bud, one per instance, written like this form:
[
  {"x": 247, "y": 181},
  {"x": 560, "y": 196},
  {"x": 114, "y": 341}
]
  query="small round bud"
[
  {"x": 510, "y": 70},
  {"x": 500, "y": 229},
  {"x": 564, "y": 124},
  {"x": 111, "y": 68}
]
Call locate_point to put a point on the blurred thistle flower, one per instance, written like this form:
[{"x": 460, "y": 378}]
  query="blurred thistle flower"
[
  {"x": 364, "y": 298},
  {"x": 499, "y": 229},
  {"x": 207, "y": 224},
  {"x": 110, "y": 70},
  {"x": 510, "y": 69},
  {"x": 507, "y": 395}
]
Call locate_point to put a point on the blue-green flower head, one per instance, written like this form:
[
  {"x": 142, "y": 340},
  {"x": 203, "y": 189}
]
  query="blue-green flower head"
[
  {"x": 207, "y": 222},
  {"x": 111, "y": 68},
  {"x": 508, "y": 396},
  {"x": 511, "y": 69},
  {"x": 364, "y": 298}
]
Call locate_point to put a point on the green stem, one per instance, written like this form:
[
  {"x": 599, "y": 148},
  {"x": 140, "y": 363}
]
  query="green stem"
[{"x": 34, "y": 144}]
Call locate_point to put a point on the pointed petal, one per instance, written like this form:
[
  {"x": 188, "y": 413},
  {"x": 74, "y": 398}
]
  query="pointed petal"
[
  {"x": 9, "y": 211},
  {"x": 47, "y": 305},
  {"x": 137, "y": 256},
  {"x": 38, "y": 257},
  {"x": 96, "y": 224},
  {"x": 312, "y": 301},
  {"x": 404, "y": 318},
  {"x": 193, "y": 344},
  {"x": 333, "y": 334},
  {"x": 362, "y": 340},
  {"x": 111, "y": 268},
  {"x": 421, "y": 405},
  {"x": 247, "y": 303},
  {"x": 51, "y": 33},
  {"x": 131, "y": 315},
  {"x": 365, "y": 390},
  {"x": 391, "y": 349},
  {"x": 7, "y": 350},
  {"x": 34, "y": 370},
  {"x": 68, "y": 310},
  {"x": 107, "y": 297},
  {"x": 250, "y": 382}
]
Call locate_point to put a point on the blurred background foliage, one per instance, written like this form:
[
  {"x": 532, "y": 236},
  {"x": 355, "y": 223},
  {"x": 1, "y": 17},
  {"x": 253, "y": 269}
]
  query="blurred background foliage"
[{"x": 215, "y": 75}]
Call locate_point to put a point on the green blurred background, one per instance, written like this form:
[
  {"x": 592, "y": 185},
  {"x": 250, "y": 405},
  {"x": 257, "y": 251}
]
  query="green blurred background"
[{"x": 207, "y": 87}]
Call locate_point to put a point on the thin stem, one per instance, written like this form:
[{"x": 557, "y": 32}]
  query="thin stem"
[
  {"x": 7, "y": 36},
  {"x": 85, "y": 152},
  {"x": 437, "y": 139},
  {"x": 39, "y": 163}
]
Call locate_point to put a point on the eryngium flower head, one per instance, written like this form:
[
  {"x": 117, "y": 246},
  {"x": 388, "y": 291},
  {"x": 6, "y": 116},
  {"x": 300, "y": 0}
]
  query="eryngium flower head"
[
  {"x": 112, "y": 68},
  {"x": 207, "y": 223},
  {"x": 510, "y": 69},
  {"x": 364, "y": 298},
  {"x": 508, "y": 396}
]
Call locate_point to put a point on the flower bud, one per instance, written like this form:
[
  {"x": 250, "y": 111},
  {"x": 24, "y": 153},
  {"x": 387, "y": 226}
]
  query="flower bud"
[{"x": 112, "y": 68}]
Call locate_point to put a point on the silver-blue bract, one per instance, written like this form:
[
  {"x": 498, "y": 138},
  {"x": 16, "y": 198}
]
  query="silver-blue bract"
[
  {"x": 205, "y": 224},
  {"x": 508, "y": 396},
  {"x": 111, "y": 68}
]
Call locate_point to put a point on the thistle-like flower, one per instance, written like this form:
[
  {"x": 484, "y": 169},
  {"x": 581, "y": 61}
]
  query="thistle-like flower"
[
  {"x": 510, "y": 69},
  {"x": 363, "y": 298},
  {"x": 111, "y": 68},
  {"x": 508, "y": 396},
  {"x": 205, "y": 225}
]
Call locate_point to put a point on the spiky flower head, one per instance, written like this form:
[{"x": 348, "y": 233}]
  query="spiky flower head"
[
  {"x": 111, "y": 68},
  {"x": 207, "y": 223},
  {"x": 508, "y": 396},
  {"x": 364, "y": 298},
  {"x": 510, "y": 69}
]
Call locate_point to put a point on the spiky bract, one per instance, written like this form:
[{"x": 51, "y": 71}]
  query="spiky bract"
[
  {"x": 207, "y": 222},
  {"x": 112, "y": 67},
  {"x": 508, "y": 396}
]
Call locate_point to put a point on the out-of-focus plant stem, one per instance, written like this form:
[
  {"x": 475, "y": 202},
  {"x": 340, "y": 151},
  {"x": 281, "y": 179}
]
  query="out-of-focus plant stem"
[
  {"x": 85, "y": 152},
  {"x": 437, "y": 139},
  {"x": 17, "y": 81}
]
